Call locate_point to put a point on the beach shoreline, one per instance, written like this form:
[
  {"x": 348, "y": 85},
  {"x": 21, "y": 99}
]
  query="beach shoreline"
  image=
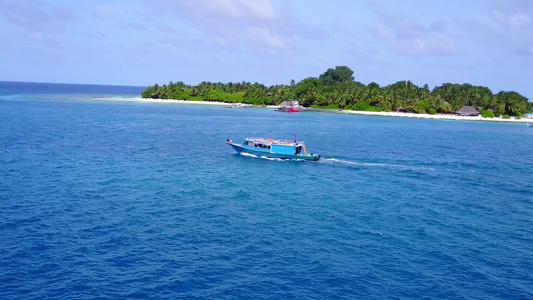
[
  {"x": 434, "y": 117},
  {"x": 355, "y": 112},
  {"x": 150, "y": 100}
]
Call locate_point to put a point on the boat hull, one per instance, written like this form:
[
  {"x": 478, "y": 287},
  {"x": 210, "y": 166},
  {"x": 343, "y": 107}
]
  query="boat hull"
[{"x": 265, "y": 153}]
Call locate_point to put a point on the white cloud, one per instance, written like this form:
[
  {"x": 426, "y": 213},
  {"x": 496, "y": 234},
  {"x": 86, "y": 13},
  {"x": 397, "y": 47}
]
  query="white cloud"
[
  {"x": 509, "y": 26},
  {"x": 239, "y": 23},
  {"x": 236, "y": 10},
  {"x": 39, "y": 25},
  {"x": 520, "y": 20},
  {"x": 261, "y": 8},
  {"x": 516, "y": 14},
  {"x": 265, "y": 36},
  {"x": 405, "y": 35},
  {"x": 36, "y": 18}
]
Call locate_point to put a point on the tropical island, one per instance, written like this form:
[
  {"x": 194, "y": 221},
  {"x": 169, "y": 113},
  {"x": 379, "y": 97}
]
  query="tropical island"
[{"x": 337, "y": 89}]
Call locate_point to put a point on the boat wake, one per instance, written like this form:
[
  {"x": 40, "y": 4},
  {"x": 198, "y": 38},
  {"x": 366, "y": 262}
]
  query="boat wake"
[
  {"x": 268, "y": 158},
  {"x": 381, "y": 165}
]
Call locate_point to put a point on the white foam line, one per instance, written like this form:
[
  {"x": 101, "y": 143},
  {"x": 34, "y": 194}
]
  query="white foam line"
[
  {"x": 268, "y": 158},
  {"x": 413, "y": 168}
]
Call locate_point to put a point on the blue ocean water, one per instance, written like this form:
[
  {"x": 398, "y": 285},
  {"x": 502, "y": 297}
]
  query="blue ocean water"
[{"x": 121, "y": 199}]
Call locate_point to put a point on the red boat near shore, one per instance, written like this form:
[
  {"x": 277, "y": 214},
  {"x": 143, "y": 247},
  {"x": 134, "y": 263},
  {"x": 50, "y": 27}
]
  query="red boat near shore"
[{"x": 289, "y": 106}]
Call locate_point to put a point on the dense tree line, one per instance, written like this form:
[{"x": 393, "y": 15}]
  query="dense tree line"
[{"x": 337, "y": 89}]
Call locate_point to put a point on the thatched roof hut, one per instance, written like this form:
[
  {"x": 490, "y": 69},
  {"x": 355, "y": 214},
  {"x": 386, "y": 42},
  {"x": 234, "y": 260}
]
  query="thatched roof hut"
[{"x": 467, "y": 111}]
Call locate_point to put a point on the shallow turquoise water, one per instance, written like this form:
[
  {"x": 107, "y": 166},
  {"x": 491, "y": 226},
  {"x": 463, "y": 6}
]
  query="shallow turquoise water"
[{"x": 134, "y": 200}]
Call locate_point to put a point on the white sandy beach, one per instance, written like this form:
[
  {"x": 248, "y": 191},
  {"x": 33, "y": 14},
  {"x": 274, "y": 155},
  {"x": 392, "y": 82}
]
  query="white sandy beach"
[
  {"x": 190, "y": 102},
  {"x": 436, "y": 116},
  {"x": 354, "y": 112},
  {"x": 179, "y": 101}
]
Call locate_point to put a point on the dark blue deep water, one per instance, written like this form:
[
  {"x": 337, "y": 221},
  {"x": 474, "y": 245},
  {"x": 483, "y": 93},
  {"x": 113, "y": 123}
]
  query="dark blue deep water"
[{"x": 107, "y": 199}]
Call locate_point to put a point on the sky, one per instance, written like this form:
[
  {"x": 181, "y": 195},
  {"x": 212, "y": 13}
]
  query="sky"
[{"x": 143, "y": 42}]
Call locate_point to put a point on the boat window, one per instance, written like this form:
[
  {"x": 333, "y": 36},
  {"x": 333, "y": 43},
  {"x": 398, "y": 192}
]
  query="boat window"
[{"x": 298, "y": 150}]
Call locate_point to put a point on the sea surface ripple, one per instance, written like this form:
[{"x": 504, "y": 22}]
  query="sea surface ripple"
[{"x": 112, "y": 200}]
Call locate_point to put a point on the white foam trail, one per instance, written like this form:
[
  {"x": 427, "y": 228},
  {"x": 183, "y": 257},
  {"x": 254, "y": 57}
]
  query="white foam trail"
[
  {"x": 248, "y": 154},
  {"x": 268, "y": 158},
  {"x": 403, "y": 167},
  {"x": 355, "y": 163},
  {"x": 272, "y": 158},
  {"x": 376, "y": 232}
]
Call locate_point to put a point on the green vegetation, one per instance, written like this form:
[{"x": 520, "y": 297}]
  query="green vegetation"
[
  {"x": 336, "y": 89},
  {"x": 363, "y": 106},
  {"x": 487, "y": 114}
]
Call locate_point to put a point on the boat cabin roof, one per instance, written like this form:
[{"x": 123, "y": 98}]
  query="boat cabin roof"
[{"x": 274, "y": 141}]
